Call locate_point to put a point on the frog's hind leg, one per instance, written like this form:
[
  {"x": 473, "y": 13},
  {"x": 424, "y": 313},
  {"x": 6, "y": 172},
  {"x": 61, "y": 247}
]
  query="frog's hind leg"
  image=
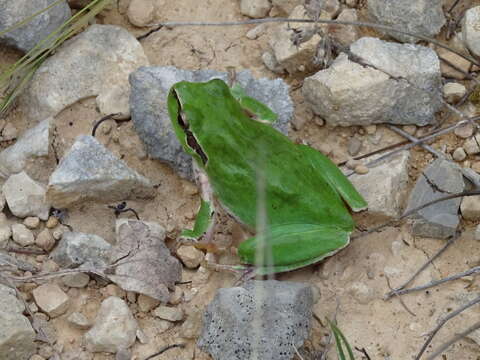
[
  {"x": 335, "y": 178},
  {"x": 292, "y": 246}
]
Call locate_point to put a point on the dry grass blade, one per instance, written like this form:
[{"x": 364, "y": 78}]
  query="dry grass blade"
[{"x": 15, "y": 78}]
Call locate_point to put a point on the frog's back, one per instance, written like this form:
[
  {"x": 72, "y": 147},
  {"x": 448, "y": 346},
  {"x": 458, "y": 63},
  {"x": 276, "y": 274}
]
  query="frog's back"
[{"x": 249, "y": 151}]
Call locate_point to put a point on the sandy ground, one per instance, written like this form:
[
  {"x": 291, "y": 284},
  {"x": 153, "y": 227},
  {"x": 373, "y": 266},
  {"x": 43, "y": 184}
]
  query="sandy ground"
[{"x": 352, "y": 283}]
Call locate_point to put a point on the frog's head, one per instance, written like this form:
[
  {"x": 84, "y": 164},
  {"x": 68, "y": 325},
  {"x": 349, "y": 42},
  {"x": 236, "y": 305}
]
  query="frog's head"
[{"x": 191, "y": 106}]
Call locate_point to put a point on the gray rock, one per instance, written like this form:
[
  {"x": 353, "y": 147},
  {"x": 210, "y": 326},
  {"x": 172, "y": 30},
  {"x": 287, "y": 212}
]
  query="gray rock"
[
  {"x": 114, "y": 329},
  {"x": 384, "y": 187},
  {"x": 151, "y": 269},
  {"x": 470, "y": 208},
  {"x": 25, "y": 197},
  {"x": 96, "y": 62},
  {"x": 168, "y": 313},
  {"x": 255, "y": 8},
  {"x": 77, "y": 248},
  {"x": 51, "y": 299},
  {"x": 471, "y": 31},
  {"x": 9, "y": 262},
  {"x": 440, "y": 220},
  {"x": 9, "y": 302},
  {"x": 89, "y": 171},
  {"x": 32, "y": 144},
  {"x": 27, "y": 36},
  {"x": 233, "y": 329},
  {"x": 418, "y": 16},
  {"x": 294, "y": 45},
  {"x": 400, "y": 85},
  {"x": 150, "y": 86},
  {"x": 22, "y": 235},
  {"x": 79, "y": 321},
  {"x": 16, "y": 336},
  {"x": 78, "y": 280}
]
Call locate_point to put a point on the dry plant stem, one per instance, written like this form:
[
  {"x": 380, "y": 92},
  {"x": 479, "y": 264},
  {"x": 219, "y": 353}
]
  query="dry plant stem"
[
  {"x": 158, "y": 26},
  {"x": 50, "y": 275},
  {"x": 394, "y": 292},
  {"x": 429, "y": 137},
  {"x": 452, "y": 65},
  {"x": 399, "y": 297},
  {"x": 472, "y": 271},
  {"x": 443, "y": 322},
  {"x": 413, "y": 138},
  {"x": 454, "y": 339},
  {"x": 25, "y": 251},
  {"x": 168, "y": 347}
]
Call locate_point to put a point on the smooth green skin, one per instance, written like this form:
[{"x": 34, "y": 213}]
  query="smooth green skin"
[{"x": 307, "y": 218}]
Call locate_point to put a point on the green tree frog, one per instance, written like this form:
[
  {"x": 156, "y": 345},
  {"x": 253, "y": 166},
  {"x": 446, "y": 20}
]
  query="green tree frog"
[{"x": 230, "y": 139}]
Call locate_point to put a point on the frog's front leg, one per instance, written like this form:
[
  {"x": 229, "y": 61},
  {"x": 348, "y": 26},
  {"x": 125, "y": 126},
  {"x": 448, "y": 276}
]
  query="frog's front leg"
[{"x": 205, "y": 220}]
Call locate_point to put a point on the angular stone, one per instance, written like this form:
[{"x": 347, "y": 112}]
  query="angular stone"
[
  {"x": 292, "y": 55},
  {"x": 78, "y": 280},
  {"x": 28, "y": 35},
  {"x": 77, "y": 248},
  {"x": 25, "y": 197},
  {"x": 470, "y": 208},
  {"x": 150, "y": 86},
  {"x": 418, "y": 16},
  {"x": 471, "y": 30},
  {"x": 32, "y": 144},
  {"x": 385, "y": 186},
  {"x": 9, "y": 302},
  {"x": 232, "y": 326},
  {"x": 345, "y": 34},
  {"x": 191, "y": 257},
  {"x": 452, "y": 91},
  {"x": 89, "y": 171},
  {"x": 401, "y": 85},
  {"x": 440, "y": 220},
  {"x": 255, "y": 8},
  {"x": 45, "y": 240},
  {"x": 168, "y": 313},
  {"x": 146, "y": 303},
  {"x": 114, "y": 329},
  {"x": 51, "y": 299},
  {"x": 16, "y": 336},
  {"x": 95, "y": 62},
  {"x": 21, "y": 235},
  {"x": 79, "y": 321}
]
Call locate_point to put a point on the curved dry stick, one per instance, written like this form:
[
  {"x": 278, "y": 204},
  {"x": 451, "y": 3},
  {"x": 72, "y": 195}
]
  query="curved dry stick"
[{"x": 442, "y": 322}]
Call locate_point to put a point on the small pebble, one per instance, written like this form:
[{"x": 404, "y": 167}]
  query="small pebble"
[
  {"x": 354, "y": 146},
  {"x": 141, "y": 12},
  {"x": 188, "y": 188},
  {"x": 51, "y": 299},
  {"x": 176, "y": 297},
  {"x": 190, "y": 256},
  {"x": 45, "y": 240},
  {"x": 459, "y": 154},
  {"x": 453, "y": 92},
  {"x": 36, "y": 357},
  {"x": 352, "y": 164},
  {"x": 146, "y": 303},
  {"x": 168, "y": 313},
  {"x": 464, "y": 131},
  {"x": 21, "y": 235},
  {"x": 51, "y": 222},
  {"x": 57, "y": 234},
  {"x": 361, "y": 169},
  {"x": 79, "y": 321},
  {"x": 31, "y": 222},
  {"x": 78, "y": 280},
  {"x": 256, "y": 32},
  {"x": 319, "y": 121},
  {"x": 471, "y": 146}
]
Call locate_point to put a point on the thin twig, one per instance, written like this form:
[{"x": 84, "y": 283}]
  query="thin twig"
[
  {"x": 399, "y": 297},
  {"x": 364, "y": 352},
  {"x": 168, "y": 347},
  {"x": 423, "y": 267},
  {"x": 158, "y": 26},
  {"x": 413, "y": 138},
  {"x": 97, "y": 123},
  {"x": 412, "y": 211},
  {"x": 454, "y": 339},
  {"x": 27, "y": 251},
  {"x": 472, "y": 271},
  {"x": 443, "y": 322}
]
